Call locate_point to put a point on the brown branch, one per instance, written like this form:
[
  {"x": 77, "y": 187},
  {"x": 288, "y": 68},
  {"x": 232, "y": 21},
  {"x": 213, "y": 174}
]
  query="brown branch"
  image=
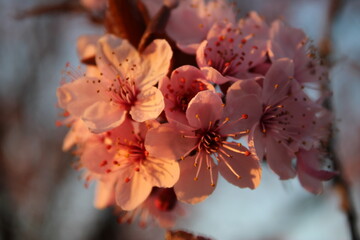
[
  {"x": 341, "y": 182},
  {"x": 64, "y": 7}
]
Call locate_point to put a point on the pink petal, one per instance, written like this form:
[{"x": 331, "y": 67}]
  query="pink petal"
[
  {"x": 94, "y": 155},
  {"x": 160, "y": 172},
  {"x": 78, "y": 134},
  {"x": 149, "y": 105},
  {"x": 309, "y": 163},
  {"x": 78, "y": 95},
  {"x": 204, "y": 108},
  {"x": 190, "y": 191},
  {"x": 105, "y": 193},
  {"x": 186, "y": 81},
  {"x": 279, "y": 158},
  {"x": 116, "y": 56},
  {"x": 242, "y": 102},
  {"x": 131, "y": 194},
  {"x": 165, "y": 142},
  {"x": 247, "y": 167},
  {"x": 86, "y": 46},
  {"x": 284, "y": 40},
  {"x": 213, "y": 75},
  {"x": 278, "y": 81},
  {"x": 103, "y": 116},
  {"x": 157, "y": 58}
]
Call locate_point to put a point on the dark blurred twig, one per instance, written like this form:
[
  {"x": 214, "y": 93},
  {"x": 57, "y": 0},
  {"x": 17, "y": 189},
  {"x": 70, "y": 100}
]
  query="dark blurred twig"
[
  {"x": 342, "y": 183},
  {"x": 124, "y": 19}
]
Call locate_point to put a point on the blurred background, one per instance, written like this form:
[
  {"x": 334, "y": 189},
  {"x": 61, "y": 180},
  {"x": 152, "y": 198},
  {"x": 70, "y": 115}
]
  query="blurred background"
[{"x": 43, "y": 197}]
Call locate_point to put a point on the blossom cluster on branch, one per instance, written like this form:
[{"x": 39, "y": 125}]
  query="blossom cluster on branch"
[{"x": 152, "y": 133}]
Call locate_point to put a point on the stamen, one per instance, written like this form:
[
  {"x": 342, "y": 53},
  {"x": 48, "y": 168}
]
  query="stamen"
[{"x": 229, "y": 166}]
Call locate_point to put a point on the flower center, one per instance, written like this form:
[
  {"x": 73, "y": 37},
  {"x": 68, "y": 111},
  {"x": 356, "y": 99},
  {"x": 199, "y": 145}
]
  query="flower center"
[{"x": 210, "y": 142}]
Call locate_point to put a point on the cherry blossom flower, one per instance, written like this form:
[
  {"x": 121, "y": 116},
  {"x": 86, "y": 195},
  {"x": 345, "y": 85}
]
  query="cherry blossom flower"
[
  {"x": 125, "y": 86},
  {"x": 161, "y": 207},
  {"x": 191, "y": 21},
  {"x": 288, "y": 42},
  {"x": 131, "y": 169},
  {"x": 202, "y": 142},
  {"x": 230, "y": 51},
  {"x": 185, "y": 82},
  {"x": 285, "y": 116}
]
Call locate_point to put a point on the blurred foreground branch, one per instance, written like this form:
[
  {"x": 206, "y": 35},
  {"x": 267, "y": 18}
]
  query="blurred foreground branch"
[{"x": 342, "y": 183}]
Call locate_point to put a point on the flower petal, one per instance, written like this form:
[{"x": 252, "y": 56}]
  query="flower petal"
[
  {"x": 131, "y": 194},
  {"x": 190, "y": 191},
  {"x": 160, "y": 172},
  {"x": 94, "y": 154},
  {"x": 149, "y": 105},
  {"x": 247, "y": 167},
  {"x": 204, "y": 108},
  {"x": 157, "y": 58},
  {"x": 116, "y": 56},
  {"x": 103, "y": 116},
  {"x": 78, "y": 95},
  {"x": 279, "y": 159},
  {"x": 165, "y": 142},
  {"x": 278, "y": 81},
  {"x": 105, "y": 193}
]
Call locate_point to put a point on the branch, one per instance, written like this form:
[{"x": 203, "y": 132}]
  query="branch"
[
  {"x": 342, "y": 184},
  {"x": 124, "y": 20}
]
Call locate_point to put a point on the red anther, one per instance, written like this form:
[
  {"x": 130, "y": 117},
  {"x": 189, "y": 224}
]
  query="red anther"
[
  {"x": 210, "y": 62},
  {"x": 255, "y": 47},
  {"x": 66, "y": 114},
  {"x": 182, "y": 80},
  {"x": 231, "y": 40},
  {"x": 127, "y": 180},
  {"x": 108, "y": 147},
  {"x": 209, "y": 49},
  {"x": 227, "y": 64},
  {"x": 243, "y": 41},
  {"x": 217, "y": 43},
  {"x": 108, "y": 171},
  {"x": 115, "y": 162},
  {"x": 137, "y": 169},
  {"x": 176, "y": 72},
  {"x": 103, "y": 163},
  {"x": 244, "y": 116},
  {"x": 221, "y": 38},
  {"x": 58, "y": 123},
  {"x": 247, "y": 153}
]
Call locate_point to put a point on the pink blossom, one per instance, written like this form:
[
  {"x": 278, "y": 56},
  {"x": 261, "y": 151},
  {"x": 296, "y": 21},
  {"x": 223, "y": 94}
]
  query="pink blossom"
[
  {"x": 185, "y": 82},
  {"x": 124, "y": 87},
  {"x": 86, "y": 46},
  {"x": 131, "y": 169},
  {"x": 283, "y": 116},
  {"x": 77, "y": 135},
  {"x": 230, "y": 52},
  {"x": 292, "y": 43},
  {"x": 161, "y": 207},
  {"x": 190, "y": 22},
  {"x": 202, "y": 142}
]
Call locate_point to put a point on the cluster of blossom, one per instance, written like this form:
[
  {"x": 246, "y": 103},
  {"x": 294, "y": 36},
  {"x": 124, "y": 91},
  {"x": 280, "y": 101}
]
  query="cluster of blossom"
[{"x": 151, "y": 135}]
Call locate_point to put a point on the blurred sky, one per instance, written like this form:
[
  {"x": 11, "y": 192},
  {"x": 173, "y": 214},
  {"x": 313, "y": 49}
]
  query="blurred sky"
[{"x": 41, "y": 196}]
